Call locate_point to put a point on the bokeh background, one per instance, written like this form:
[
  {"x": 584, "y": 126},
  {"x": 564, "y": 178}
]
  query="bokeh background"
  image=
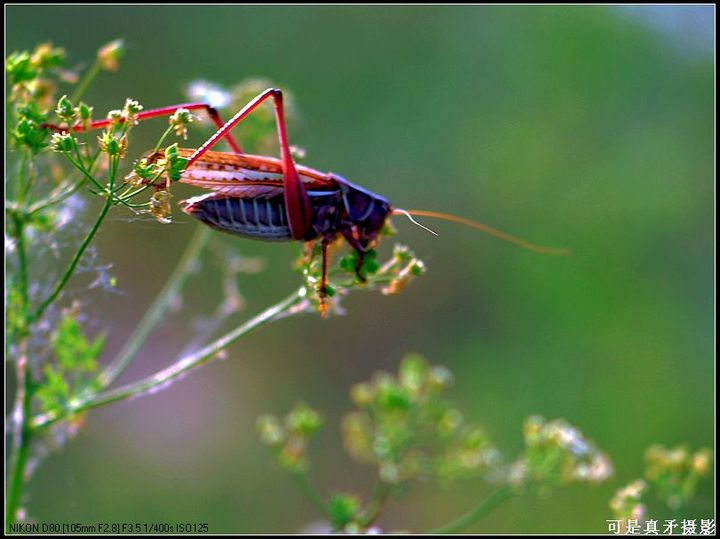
[{"x": 591, "y": 128}]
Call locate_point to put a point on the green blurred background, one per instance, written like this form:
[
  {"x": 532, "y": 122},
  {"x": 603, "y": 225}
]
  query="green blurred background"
[{"x": 591, "y": 128}]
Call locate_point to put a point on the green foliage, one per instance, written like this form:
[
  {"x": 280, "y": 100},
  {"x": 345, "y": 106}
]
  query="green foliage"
[
  {"x": 343, "y": 509},
  {"x": 72, "y": 349},
  {"x": 556, "y": 453},
  {"x": 29, "y": 132},
  {"x": 289, "y": 438},
  {"x": 76, "y": 369},
  {"x": 406, "y": 428},
  {"x": 675, "y": 473},
  {"x": 672, "y": 475}
]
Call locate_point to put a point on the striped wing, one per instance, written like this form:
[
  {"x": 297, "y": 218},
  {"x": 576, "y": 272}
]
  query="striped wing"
[{"x": 246, "y": 176}]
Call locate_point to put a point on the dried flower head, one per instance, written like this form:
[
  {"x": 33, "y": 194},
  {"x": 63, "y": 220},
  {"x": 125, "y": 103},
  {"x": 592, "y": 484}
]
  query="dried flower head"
[
  {"x": 130, "y": 111},
  {"x": 180, "y": 120},
  {"x": 109, "y": 55},
  {"x": 160, "y": 206}
]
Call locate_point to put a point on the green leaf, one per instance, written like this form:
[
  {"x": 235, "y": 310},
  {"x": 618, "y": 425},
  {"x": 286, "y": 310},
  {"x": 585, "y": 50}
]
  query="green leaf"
[
  {"x": 54, "y": 392},
  {"x": 19, "y": 67},
  {"x": 73, "y": 349}
]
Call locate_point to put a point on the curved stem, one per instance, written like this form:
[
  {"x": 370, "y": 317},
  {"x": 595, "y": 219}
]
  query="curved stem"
[
  {"x": 85, "y": 82},
  {"x": 59, "y": 197},
  {"x": 157, "y": 310},
  {"x": 165, "y": 377},
  {"x": 22, "y": 435},
  {"x": 309, "y": 491},
  {"x": 495, "y": 499},
  {"x": 73, "y": 264},
  {"x": 376, "y": 504},
  {"x": 43, "y": 204}
]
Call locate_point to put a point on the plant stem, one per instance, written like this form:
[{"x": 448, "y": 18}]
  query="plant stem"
[
  {"x": 23, "y": 432},
  {"x": 165, "y": 377},
  {"x": 23, "y": 397},
  {"x": 71, "y": 268},
  {"x": 86, "y": 81},
  {"x": 494, "y": 500},
  {"x": 157, "y": 310},
  {"x": 309, "y": 491},
  {"x": 162, "y": 138},
  {"x": 376, "y": 504},
  {"x": 43, "y": 204},
  {"x": 19, "y": 233}
]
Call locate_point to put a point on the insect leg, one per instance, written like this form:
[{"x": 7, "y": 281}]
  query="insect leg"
[
  {"x": 297, "y": 202},
  {"x": 323, "y": 280},
  {"x": 359, "y": 249},
  {"x": 155, "y": 113}
]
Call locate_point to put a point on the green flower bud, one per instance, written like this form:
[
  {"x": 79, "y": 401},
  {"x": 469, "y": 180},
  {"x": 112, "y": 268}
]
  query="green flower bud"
[
  {"x": 65, "y": 110},
  {"x": 84, "y": 112},
  {"x": 413, "y": 373},
  {"x": 343, "y": 509},
  {"x": 113, "y": 146},
  {"x": 303, "y": 420},
  {"x": 62, "y": 142}
]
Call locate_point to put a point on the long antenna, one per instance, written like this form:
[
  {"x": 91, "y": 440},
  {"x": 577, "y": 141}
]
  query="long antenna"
[
  {"x": 407, "y": 214},
  {"x": 483, "y": 228}
]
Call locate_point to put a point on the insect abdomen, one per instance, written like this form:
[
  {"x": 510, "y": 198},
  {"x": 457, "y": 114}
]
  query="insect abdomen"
[{"x": 260, "y": 218}]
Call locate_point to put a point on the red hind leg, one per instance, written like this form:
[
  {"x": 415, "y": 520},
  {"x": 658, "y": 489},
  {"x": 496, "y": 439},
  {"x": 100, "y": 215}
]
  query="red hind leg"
[{"x": 297, "y": 202}]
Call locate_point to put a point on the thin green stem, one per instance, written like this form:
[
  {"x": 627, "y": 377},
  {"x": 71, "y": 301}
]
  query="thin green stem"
[
  {"x": 166, "y": 376},
  {"x": 22, "y": 435},
  {"x": 22, "y": 181},
  {"x": 19, "y": 233},
  {"x": 128, "y": 194},
  {"x": 303, "y": 481},
  {"x": 28, "y": 184},
  {"x": 162, "y": 138},
  {"x": 86, "y": 81},
  {"x": 494, "y": 500},
  {"x": 157, "y": 310},
  {"x": 23, "y": 397},
  {"x": 85, "y": 172},
  {"x": 73, "y": 264},
  {"x": 43, "y": 204},
  {"x": 376, "y": 504}
]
